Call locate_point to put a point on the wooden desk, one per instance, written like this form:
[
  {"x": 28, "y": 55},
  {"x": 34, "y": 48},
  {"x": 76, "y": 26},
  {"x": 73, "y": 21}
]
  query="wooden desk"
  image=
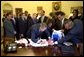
[
  {"x": 31, "y": 51},
  {"x": 36, "y": 51}
]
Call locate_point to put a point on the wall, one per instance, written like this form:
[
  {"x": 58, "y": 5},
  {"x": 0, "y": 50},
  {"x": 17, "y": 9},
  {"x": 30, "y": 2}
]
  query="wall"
[
  {"x": 31, "y": 6},
  {"x": 66, "y": 5}
]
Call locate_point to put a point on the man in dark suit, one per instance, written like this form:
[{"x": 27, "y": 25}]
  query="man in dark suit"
[
  {"x": 15, "y": 23},
  {"x": 9, "y": 29},
  {"x": 42, "y": 17},
  {"x": 22, "y": 25},
  {"x": 59, "y": 20},
  {"x": 31, "y": 21},
  {"x": 75, "y": 15},
  {"x": 37, "y": 31},
  {"x": 75, "y": 33}
]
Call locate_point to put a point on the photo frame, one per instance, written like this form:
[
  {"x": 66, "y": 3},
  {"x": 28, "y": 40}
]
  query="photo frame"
[
  {"x": 56, "y": 6},
  {"x": 7, "y": 8},
  {"x": 18, "y": 10}
]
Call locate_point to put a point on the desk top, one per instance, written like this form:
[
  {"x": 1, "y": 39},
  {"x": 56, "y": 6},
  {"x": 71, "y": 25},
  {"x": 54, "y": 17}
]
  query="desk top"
[{"x": 31, "y": 51}]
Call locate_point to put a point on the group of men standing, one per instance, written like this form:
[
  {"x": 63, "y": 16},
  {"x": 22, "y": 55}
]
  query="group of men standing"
[{"x": 40, "y": 26}]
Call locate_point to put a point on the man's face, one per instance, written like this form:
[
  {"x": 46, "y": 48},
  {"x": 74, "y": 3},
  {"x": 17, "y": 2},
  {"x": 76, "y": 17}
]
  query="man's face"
[
  {"x": 60, "y": 17},
  {"x": 74, "y": 13},
  {"x": 26, "y": 13},
  {"x": 23, "y": 15},
  {"x": 50, "y": 24},
  {"x": 9, "y": 16},
  {"x": 34, "y": 15},
  {"x": 67, "y": 26},
  {"x": 41, "y": 13},
  {"x": 56, "y": 17}
]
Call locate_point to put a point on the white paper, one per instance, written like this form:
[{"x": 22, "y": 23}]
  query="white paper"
[
  {"x": 23, "y": 40},
  {"x": 67, "y": 43},
  {"x": 39, "y": 44}
]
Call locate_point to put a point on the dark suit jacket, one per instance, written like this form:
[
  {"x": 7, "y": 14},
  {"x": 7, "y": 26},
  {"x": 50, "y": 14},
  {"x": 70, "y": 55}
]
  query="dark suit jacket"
[
  {"x": 9, "y": 29},
  {"x": 57, "y": 25},
  {"x": 81, "y": 18},
  {"x": 22, "y": 26},
  {"x": 45, "y": 19},
  {"x": 31, "y": 22},
  {"x": 75, "y": 34},
  {"x": 16, "y": 27},
  {"x": 36, "y": 34},
  {"x": 77, "y": 17},
  {"x": 17, "y": 24},
  {"x": 14, "y": 23}
]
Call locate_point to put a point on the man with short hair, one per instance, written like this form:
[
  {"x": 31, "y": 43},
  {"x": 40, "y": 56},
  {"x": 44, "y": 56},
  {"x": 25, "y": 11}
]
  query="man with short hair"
[
  {"x": 22, "y": 25},
  {"x": 37, "y": 30},
  {"x": 42, "y": 18},
  {"x": 9, "y": 29},
  {"x": 75, "y": 33},
  {"x": 75, "y": 15},
  {"x": 59, "y": 20}
]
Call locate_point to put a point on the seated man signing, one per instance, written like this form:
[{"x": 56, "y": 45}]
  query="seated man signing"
[{"x": 37, "y": 30}]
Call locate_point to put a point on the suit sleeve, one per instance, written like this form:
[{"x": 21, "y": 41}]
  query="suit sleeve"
[
  {"x": 66, "y": 38},
  {"x": 33, "y": 36},
  {"x": 47, "y": 32},
  {"x": 21, "y": 27},
  {"x": 71, "y": 35}
]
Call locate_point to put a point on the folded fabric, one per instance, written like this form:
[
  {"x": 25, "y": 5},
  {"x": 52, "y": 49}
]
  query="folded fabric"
[{"x": 22, "y": 41}]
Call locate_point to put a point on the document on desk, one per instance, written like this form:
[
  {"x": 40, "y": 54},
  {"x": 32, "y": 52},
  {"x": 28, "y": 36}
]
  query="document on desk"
[
  {"x": 22, "y": 41},
  {"x": 41, "y": 44}
]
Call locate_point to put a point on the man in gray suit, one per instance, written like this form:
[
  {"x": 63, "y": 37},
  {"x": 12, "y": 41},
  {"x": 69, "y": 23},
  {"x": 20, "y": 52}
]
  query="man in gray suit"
[{"x": 9, "y": 29}]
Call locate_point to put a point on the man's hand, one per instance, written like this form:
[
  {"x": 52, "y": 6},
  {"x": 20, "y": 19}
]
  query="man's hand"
[
  {"x": 62, "y": 30},
  {"x": 39, "y": 41},
  {"x": 53, "y": 29},
  {"x": 21, "y": 35},
  {"x": 49, "y": 38},
  {"x": 50, "y": 41}
]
